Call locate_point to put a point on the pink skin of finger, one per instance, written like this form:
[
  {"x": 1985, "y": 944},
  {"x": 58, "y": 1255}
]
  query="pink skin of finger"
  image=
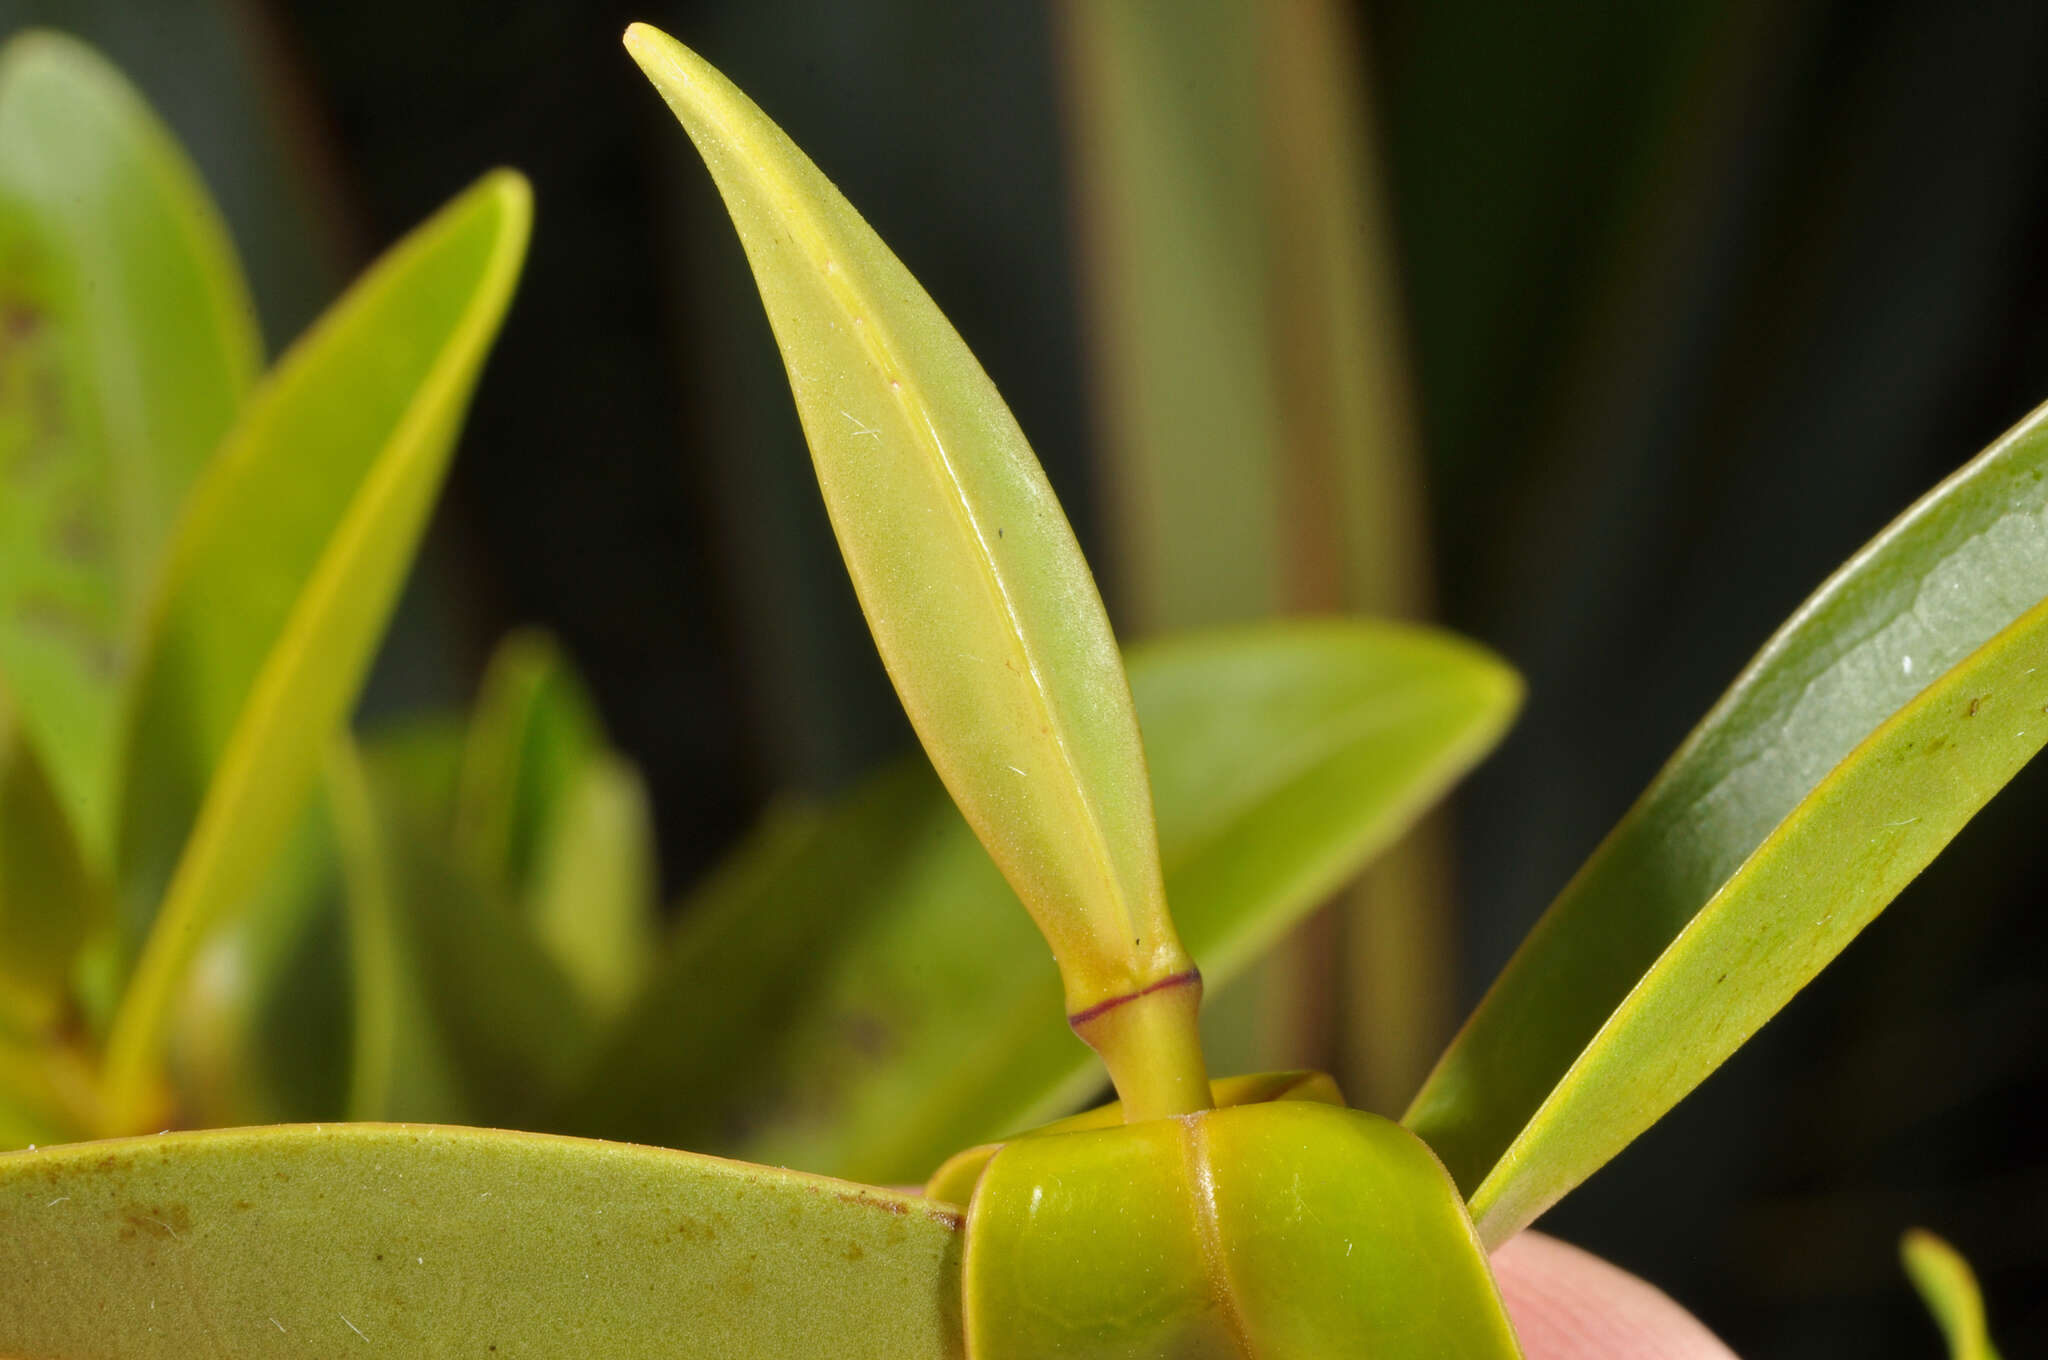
[{"x": 1568, "y": 1304}]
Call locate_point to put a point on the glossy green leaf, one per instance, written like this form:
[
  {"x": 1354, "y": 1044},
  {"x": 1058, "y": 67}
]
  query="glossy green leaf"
[
  {"x": 533, "y": 728},
  {"x": 49, "y": 899},
  {"x": 1290, "y": 1228},
  {"x": 1895, "y": 702},
  {"x": 280, "y": 583},
  {"x": 124, "y": 301},
  {"x": 460, "y": 1011},
  {"x": 593, "y": 904},
  {"x": 1949, "y": 1289},
  {"x": 423, "y": 1241},
  {"x": 865, "y": 999},
  {"x": 978, "y": 597}
]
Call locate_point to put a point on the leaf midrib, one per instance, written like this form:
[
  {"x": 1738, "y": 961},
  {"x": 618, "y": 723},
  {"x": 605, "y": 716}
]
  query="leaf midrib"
[{"x": 875, "y": 338}]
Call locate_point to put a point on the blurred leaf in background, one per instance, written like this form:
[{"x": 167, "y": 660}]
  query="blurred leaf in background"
[
  {"x": 195, "y": 571},
  {"x": 1258, "y": 432},
  {"x": 133, "y": 343},
  {"x": 284, "y": 572}
]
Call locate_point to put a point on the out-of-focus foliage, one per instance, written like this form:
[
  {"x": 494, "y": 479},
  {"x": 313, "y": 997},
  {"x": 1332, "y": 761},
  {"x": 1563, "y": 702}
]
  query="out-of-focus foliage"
[
  {"x": 1950, "y": 1291},
  {"x": 1259, "y": 448},
  {"x": 175, "y": 662}
]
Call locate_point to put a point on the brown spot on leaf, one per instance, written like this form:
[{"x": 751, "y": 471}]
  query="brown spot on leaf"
[{"x": 155, "y": 1220}]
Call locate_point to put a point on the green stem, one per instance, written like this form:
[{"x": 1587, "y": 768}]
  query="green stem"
[{"x": 1149, "y": 1041}]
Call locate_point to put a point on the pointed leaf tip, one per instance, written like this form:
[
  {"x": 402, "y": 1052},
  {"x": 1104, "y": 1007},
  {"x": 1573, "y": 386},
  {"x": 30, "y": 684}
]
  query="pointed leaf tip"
[
  {"x": 981, "y": 605},
  {"x": 279, "y": 584}
]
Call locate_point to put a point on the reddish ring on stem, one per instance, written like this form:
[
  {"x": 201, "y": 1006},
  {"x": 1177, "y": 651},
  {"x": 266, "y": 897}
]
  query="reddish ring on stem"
[
  {"x": 1082, "y": 1017},
  {"x": 1149, "y": 1041}
]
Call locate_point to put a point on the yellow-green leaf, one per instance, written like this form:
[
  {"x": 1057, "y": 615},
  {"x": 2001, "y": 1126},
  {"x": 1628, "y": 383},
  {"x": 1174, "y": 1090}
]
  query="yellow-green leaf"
[
  {"x": 1289, "y": 1228},
  {"x": 280, "y": 583},
  {"x": 425, "y": 1241},
  {"x": 979, "y": 600},
  {"x": 1950, "y": 1291},
  {"x": 1879, "y": 719},
  {"x": 864, "y": 997},
  {"x": 124, "y": 301}
]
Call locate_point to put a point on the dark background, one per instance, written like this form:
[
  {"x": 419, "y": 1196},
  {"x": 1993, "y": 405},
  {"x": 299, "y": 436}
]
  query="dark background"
[{"x": 1700, "y": 295}]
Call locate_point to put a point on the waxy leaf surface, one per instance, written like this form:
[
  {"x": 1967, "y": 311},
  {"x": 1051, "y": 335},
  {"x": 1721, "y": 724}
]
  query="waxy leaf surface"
[
  {"x": 861, "y": 995},
  {"x": 280, "y": 583},
  {"x": 955, "y": 1179},
  {"x": 425, "y": 1241},
  {"x": 1289, "y": 1229},
  {"x": 1877, "y": 721},
  {"x": 979, "y": 600},
  {"x": 129, "y": 345}
]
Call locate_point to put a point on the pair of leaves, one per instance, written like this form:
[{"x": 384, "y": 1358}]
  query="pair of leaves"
[{"x": 1880, "y": 718}]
